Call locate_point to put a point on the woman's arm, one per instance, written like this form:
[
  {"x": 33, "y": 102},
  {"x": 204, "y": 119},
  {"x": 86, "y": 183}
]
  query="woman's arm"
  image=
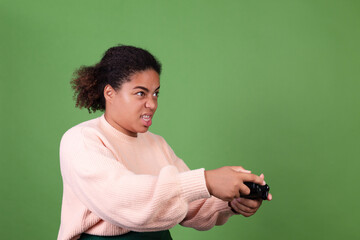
[
  {"x": 117, "y": 195},
  {"x": 204, "y": 214}
]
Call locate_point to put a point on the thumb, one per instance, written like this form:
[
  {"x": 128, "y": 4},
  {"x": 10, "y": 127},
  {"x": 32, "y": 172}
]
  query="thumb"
[{"x": 240, "y": 169}]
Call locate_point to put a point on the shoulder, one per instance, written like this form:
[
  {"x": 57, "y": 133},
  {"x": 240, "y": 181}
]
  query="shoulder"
[{"x": 77, "y": 132}]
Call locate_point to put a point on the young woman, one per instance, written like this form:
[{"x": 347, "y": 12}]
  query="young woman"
[{"x": 121, "y": 181}]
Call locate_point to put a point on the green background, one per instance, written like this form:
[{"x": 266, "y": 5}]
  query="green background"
[{"x": 269, "y": 85}]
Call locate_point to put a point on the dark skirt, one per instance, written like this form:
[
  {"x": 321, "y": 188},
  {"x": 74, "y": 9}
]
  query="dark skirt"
[{"x": 161, "y": 235}]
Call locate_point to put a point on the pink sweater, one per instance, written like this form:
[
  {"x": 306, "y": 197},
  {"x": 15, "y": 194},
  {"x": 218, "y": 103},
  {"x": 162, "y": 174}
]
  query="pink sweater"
[{"x": 114, "y": 183}]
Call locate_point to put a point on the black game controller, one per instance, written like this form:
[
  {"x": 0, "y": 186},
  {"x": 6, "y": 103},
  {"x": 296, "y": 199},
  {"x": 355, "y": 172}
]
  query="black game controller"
[{"x": 257, "y": 191}]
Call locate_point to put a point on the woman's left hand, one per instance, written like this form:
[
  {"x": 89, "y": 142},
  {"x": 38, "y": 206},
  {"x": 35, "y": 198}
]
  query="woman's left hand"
[{"x": 247, "y": 207}]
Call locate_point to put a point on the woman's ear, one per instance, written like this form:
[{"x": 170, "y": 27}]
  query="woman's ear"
[{"x": 109, "y": 92}]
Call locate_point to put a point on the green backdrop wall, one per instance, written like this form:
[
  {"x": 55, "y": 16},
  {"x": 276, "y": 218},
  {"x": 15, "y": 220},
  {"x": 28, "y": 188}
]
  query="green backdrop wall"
[{"x": 269, "y": 85}]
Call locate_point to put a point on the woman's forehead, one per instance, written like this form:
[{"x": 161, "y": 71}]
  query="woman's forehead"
[{"x": 147, "y": 79}]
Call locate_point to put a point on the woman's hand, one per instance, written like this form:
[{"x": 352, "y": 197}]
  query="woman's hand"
[
  {"x": 247, "y": 207},
  {"x": 227, "y": 183}
]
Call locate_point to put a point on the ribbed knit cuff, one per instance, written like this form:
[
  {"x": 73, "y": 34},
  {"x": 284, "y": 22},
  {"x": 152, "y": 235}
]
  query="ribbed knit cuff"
[{"x": 194, "y": 185}]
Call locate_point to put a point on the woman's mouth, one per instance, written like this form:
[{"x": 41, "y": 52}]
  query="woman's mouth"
[{"x": 146, "y": 119}]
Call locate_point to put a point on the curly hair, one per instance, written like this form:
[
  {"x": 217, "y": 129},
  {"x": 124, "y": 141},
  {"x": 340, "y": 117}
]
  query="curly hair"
[{"x": 115, "y": 68}]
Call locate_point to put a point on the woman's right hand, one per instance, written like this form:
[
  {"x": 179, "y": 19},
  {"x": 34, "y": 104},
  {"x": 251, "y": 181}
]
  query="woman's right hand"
[{"x": 227, "y": 182}]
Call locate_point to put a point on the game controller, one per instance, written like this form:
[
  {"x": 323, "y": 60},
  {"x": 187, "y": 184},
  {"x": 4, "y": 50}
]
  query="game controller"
[{"x": 257, "y": 191}]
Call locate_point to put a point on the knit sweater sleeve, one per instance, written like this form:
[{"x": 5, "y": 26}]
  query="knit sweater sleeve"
[
  {"x": 120, "y": 197},
  {"x": 203, "y": 214}
]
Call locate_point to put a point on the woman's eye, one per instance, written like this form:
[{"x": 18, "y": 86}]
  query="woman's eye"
[
  {"x": 141, "y": 94},
  {"x": 156, "y": 94}
]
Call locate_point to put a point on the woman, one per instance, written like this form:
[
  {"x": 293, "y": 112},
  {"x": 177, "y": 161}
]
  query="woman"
[{"x": 121, "y": 181}]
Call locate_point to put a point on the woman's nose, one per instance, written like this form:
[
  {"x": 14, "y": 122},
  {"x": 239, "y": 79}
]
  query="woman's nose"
[{"x": 151, "y": 103}]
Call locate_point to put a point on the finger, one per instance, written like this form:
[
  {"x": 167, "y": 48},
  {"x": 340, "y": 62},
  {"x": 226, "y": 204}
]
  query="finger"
[
  {"x": 238, "y": 207},
  {"x": 244, "y": 190},
  {"x": 250, "y": 203},
  {"x": 263, "y": 177},
  {"x": 269, "y": 197},
  {"x": 240, "y": 169},
  {"x": 252, "y": 178},
  {"x": 245, "y": 214}
]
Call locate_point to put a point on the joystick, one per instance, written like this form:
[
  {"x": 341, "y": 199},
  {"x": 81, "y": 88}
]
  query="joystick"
[{"x": 257, "y": 191}]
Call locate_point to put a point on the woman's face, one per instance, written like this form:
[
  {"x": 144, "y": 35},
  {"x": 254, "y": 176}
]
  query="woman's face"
[{"x": 131, "y": 108}]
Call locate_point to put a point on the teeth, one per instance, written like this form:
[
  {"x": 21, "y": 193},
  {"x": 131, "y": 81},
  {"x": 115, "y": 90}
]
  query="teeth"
[{"x": 146, "y": 117}]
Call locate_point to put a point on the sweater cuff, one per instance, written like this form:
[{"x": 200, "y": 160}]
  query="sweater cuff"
[{"x": 194, "y": 185}]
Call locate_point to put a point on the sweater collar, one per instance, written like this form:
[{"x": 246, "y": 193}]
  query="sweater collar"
[{"x": 113, "y": 131}]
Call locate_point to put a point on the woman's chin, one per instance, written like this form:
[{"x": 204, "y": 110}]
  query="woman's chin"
[{"x": 143, "y": 129}]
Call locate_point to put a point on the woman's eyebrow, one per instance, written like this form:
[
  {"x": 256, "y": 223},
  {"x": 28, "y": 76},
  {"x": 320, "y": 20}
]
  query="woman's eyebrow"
[{"x": 145, "y": 89}]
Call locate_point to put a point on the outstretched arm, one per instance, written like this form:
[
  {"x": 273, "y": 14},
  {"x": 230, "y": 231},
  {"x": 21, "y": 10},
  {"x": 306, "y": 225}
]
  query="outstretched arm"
[{"x": 224, "y": 183}]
